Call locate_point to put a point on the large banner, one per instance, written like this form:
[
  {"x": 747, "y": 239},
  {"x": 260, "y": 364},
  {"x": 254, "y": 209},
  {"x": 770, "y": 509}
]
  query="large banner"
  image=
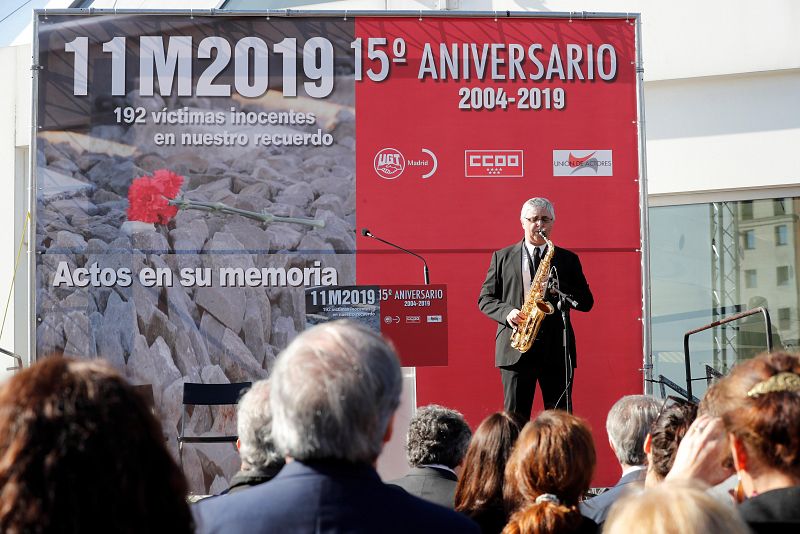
[{"x": 195, "y": 176}]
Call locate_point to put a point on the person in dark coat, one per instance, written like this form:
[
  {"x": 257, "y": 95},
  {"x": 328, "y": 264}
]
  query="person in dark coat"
[
  {"x": 627, "y": 425},
  {"x": 759, "y": 402},
  {"x": 333, "y": 394},
  {"x": 761, "y": 413},
  {"x": 501, "y": 298},
  {"x": 436, "y": 442},
  {"x": 260, "y": 461}
]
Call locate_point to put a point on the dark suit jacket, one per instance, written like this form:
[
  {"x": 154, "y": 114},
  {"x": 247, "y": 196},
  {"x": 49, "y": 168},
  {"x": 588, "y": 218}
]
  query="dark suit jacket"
[
  {"x": 325, "y": 497},
  {"x": 502, "y": 291},
  {"x": 429, "y": 483},
  {"x": 773, "y": 512},
  {"x": 597, "y": 507},
  {"x": 243, "y": 480}
]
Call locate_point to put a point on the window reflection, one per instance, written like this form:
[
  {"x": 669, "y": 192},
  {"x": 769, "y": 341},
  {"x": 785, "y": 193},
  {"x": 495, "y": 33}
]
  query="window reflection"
[
  {"x": 781, "y": 235},
  {"x": 710, "y": 261},
  {"x": 746, "y": 208},
  {"x": 779, "y": 206},
  {"x": 749, "y": 239},
  {"x": 750, "y": 278}
]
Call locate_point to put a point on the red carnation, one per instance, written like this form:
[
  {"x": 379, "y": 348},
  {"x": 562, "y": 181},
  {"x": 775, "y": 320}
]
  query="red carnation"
[{"x": 149, "y": 196}]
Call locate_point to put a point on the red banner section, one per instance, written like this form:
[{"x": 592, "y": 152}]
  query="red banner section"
[
  {"x": 470, "y": 118},
  {"x": 415, "y": 319}
]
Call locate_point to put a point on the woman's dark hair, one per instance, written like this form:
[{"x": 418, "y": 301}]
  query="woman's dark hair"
[
  {"x": 765, "y": 420},
  {"x": 81, "y": 452},
  {"x": 480, "y": 486},
  {"x": 666, "y": 434},
  {"x": 553, "y": 460}
]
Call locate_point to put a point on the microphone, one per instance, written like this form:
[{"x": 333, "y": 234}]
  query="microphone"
[
  {"x": 366, "y": 233},
  {"x": 569, "y": 300}
]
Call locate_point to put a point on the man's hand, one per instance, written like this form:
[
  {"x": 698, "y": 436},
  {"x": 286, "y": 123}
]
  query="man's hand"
[{"x": 514, "y": 317}]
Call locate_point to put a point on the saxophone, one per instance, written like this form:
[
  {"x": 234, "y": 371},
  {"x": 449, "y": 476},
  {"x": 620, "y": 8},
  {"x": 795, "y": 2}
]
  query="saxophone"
[{"x": 535, "y": 307}]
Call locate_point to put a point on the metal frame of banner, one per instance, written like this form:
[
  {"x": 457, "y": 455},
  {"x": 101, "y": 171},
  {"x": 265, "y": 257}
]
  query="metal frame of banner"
[
  {"x": 644, "y": 224},
  {"x": 569, "y": 15},
  {"x": 31, "y": 249}
]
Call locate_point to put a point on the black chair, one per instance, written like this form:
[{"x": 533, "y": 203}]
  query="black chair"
[{"x": 208, "y": 395}]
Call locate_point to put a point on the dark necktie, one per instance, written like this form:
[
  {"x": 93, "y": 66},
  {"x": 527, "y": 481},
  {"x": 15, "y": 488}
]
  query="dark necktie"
[{"x": 537, "y": 259}]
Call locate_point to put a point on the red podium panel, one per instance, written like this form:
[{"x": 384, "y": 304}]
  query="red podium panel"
[{"x": 414, "y": 318}]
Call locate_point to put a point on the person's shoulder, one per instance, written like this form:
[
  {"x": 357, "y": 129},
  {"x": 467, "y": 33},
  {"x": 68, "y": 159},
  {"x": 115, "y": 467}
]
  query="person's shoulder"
[
  {"x": 597, "y": 507},
  {"x": 227, "y": 501},
  {"x": 274, "y": 492},
  {"x": 406, "y": 482},
  {"x": 587, "y": 526},
  {"x": 216, "y": 513},
  {"x": 427, "y": 516},
  {"x": 773, "y": 506},
  {"x": 264, "y": 505},
  {"x": 505, "y": 251},
  {"x": 565, "y": 252}
]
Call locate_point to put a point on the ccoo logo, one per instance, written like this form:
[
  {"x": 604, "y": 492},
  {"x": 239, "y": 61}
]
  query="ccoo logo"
[
  {"x": 389, "y": 163},
  {"x": 493, "y": 163}
]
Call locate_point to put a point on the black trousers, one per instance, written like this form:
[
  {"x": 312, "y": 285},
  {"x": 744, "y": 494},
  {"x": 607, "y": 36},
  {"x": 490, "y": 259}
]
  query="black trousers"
[{"x": 520, "y": 379}]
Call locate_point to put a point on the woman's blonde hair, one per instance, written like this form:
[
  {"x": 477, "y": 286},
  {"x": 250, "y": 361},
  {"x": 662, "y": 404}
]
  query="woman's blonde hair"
[{"x": 673, "y": 508}]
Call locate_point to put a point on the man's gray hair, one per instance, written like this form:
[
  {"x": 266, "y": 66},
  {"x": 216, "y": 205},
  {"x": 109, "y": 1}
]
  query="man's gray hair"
[
  {"x": 538, "y": 202},
  {"x": 437, "y": 435},
  {"x": 627, "y": 425},
  {"x": 335, "y": 389},
  {"x": 254, "y": 426}
]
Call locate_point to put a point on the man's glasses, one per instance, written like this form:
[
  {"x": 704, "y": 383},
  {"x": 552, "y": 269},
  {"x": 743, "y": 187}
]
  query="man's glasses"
[{"x": 534, "y": 220}]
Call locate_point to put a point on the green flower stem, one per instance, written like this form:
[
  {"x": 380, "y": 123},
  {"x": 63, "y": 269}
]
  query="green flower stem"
[{"x": 264, "y": 217}]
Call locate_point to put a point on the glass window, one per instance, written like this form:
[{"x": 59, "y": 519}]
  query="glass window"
[
  {"x": 749, "y": 239},
  {"x": 782, "y": 275},
  {"x": 781, "y": 235},
  {"x": 699, "y": 275},
  {"x": 746, "y": 207},
  {"x": 750, "y": 280},
  {"x": 784, "y": 318},
  {"x": 779, "y": 206}
]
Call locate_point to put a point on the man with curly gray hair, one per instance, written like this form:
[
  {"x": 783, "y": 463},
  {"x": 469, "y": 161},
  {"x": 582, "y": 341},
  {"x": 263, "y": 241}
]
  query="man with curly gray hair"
[{"x": 436, "y": 443}]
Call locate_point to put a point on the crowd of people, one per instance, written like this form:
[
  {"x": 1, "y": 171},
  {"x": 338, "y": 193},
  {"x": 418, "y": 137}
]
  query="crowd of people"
[{"x": 80, "y": 451}]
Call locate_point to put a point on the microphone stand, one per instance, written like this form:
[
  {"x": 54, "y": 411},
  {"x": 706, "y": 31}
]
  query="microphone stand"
[
  {"x": 565, "y": 302},
  {"x": 425, "y": 272}
]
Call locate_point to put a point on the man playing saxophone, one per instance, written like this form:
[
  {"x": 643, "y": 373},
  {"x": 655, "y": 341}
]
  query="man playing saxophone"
[{"x": 503, "y": 298}]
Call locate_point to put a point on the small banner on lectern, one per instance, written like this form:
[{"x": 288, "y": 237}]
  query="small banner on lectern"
[
  {"x": 413, "y": 317},
  {"x": 358, "y": 303}
]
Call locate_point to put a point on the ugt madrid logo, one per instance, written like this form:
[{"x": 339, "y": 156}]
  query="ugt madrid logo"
[{"x": 389, "y": 163}]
